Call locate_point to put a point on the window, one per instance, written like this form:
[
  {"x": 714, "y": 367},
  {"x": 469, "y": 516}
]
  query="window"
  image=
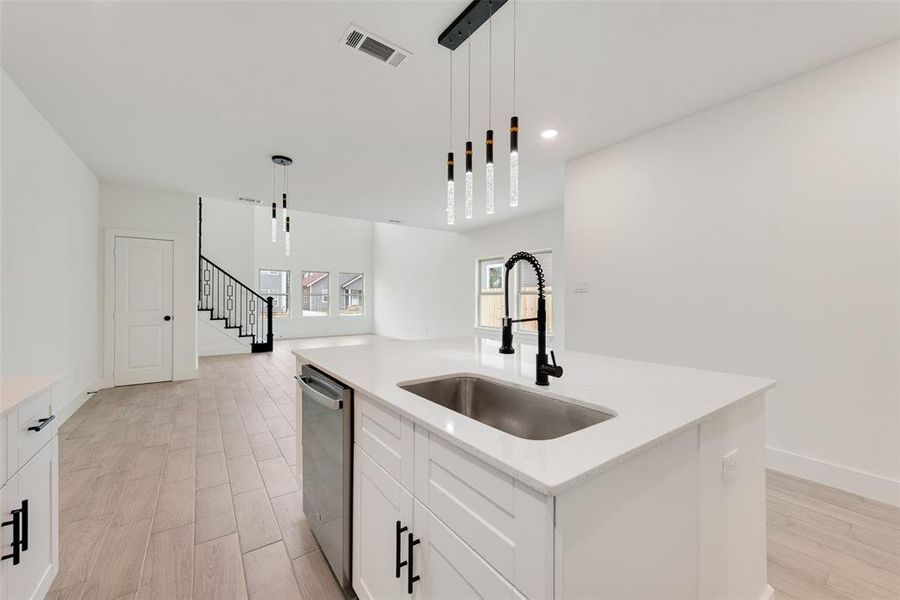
[
  {"x": 315, "y": 293},
  {"x": 351, "y": 291},
  {"x": 523, "y": 296},
  {"x": 490, "y": 292},
  {"x": 276, "y": 284},
  {"x": 528, "y": 291}
]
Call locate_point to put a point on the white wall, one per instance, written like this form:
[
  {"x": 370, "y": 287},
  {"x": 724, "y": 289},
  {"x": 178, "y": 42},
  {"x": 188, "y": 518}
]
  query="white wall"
[
  {"x": 425, "y": 280},
  {"x": 761, "y": 237},
  {"x": 132, "y": 208},
  {"x": 229, "y": 237},
  {"x": 49, "y": 253}
]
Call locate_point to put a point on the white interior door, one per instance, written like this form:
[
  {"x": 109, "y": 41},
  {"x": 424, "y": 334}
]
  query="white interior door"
[{"x": 143, "y": 311}]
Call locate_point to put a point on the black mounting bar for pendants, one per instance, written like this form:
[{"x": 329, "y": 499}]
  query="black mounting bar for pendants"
[{"x": 474, "y": 16}]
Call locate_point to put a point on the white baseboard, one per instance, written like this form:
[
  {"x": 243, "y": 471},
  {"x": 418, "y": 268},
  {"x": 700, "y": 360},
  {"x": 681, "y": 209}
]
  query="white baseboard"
[
  {"x": 869, "y": 485},
  {"x": 62, "y": 413},
  {"x": 182, "y": 374}
]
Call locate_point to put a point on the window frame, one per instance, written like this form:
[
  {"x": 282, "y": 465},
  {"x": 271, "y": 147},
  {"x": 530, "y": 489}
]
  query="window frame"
[
  {"x": 326, "y": 295},
  {"x": 515, "y": 296},
  {"x": 287, "y": 295},
  {"x": 362, "y": 313}
]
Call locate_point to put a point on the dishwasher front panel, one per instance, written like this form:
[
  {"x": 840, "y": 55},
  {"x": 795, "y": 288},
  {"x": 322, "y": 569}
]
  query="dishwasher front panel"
[{"x": 327, "y": 439}]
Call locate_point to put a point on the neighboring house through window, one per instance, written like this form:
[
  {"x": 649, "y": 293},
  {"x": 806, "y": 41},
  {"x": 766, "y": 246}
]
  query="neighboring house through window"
[
  {"x": 490, "y": 292},
  {"x": 276, "y": 284},
  {"x": 315, "y": 293},
  {"x": 351, "y": 291}
]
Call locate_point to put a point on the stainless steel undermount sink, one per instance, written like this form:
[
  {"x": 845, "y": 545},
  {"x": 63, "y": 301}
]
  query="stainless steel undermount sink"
[{"x": 518, "y": 412}]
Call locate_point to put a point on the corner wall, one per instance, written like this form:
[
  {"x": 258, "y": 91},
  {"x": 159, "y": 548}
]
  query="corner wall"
[
  {"x": 426, "y": 279},
  {"x": 761, "y": 237},
  {"x": 49, "y": 254}
]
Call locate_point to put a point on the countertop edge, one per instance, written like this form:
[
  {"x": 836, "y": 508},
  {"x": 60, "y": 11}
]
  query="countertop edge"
[{"x": 548, "y": 489}]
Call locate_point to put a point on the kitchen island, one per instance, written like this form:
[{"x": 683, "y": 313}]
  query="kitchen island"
[{"x": 666, "y": 499}]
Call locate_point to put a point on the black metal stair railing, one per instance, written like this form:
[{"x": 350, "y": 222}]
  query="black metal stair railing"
[{"x": 227, "y": 299}]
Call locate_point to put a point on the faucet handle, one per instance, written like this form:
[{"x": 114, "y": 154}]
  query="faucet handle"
[{"x": 553, "y": 357}]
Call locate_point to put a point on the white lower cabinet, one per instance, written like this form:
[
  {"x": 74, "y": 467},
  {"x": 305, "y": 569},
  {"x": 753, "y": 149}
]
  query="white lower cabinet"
[
  {"x": 29, "y": 503},
  {"x": 379, "y": 549},
  {"x": 448, "y": 568},
  {"x": 388, "y": 524}
]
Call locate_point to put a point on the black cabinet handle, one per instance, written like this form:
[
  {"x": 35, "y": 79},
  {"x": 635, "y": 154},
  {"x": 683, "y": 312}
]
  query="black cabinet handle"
[
  {"x": 167, "y": 318},
  {"x": 410, "y": 578},
  {"x": 43, "y": 423},
  {"x": 23, "y": 541},
  {"x": 16, "y": 545},
  {"x": 399, "y": 564}
]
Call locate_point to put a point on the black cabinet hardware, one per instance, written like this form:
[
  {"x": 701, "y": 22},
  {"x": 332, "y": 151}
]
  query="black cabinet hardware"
[
  {"x": 399, "y": 564},
  {"x": 43, "y": 423},
  {"x": 19, "y": 524},
  {"x": 410, "y": 578},
  {"x": 167, "y": 318}
]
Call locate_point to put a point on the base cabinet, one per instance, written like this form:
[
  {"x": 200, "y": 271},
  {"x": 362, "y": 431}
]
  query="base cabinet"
[
  {"x": 34, "y": 486},
  {"x": 402, "y": 550},
  {"x": 380, "y": 503}
]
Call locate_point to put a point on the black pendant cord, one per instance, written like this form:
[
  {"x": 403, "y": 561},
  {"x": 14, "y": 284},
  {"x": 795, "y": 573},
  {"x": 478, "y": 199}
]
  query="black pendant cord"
[
  {"x": 514, "y": 55},
  {"x": 491, "y": 66},
  {"x": 469, "y": 101}
]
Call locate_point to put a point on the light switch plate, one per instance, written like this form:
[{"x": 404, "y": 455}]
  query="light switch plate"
[
  {"x": 730, "y": 466},
  {"x": 582, "y": 286}
]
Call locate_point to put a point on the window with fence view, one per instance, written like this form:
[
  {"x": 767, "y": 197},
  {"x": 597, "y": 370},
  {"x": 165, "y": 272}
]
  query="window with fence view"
[
  {"x": 524, "y": 291},
  {"x": 276, "y": 284},
  {"x": 351, "y": 291}
]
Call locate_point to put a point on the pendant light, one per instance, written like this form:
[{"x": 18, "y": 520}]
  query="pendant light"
[
  {"x": 469, "y": 177},
  {"x": 489, "y": 136},
  {"x": 284, "y": 162},
  {"x": 451, "y": 185},
  {"x": 514, "y": 132}
]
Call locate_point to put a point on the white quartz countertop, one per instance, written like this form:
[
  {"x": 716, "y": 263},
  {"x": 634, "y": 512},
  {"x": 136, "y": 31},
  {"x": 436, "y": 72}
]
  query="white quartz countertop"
[
  {"x": 651, "y": 401},
  {"x": 15, "y": 390}
]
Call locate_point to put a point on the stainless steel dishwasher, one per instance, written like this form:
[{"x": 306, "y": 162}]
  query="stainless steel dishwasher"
[{"x": 327, "y": 439}]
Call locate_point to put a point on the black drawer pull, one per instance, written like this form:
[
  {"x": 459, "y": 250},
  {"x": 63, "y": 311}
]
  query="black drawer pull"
[
  {"x": 23, "y": 541},
  {"x": 17, "y": 543},
  {"x": 400, "y": 565},
  {"x": 43, "y": 423},
  {"x": 410, "y": 578}
]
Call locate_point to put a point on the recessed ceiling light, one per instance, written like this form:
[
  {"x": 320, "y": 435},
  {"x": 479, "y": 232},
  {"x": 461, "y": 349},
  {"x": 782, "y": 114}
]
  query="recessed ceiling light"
[{"x": 549, "y": 134}]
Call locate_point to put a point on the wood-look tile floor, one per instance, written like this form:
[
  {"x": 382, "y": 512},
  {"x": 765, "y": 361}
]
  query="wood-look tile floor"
[{"x": 187, "y": 490}]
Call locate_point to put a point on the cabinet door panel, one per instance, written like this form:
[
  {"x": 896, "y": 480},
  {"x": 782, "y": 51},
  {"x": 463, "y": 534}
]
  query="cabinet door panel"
[
  {"x": 386, "y": 437},
  {"x": 379, "y": 501},
  {"x": 448, "y": 568}
]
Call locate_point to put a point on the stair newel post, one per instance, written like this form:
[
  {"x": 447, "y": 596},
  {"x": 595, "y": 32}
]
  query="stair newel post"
[
  {"x": 200, "y": 252},
  {"x": 269, "y": 335}
]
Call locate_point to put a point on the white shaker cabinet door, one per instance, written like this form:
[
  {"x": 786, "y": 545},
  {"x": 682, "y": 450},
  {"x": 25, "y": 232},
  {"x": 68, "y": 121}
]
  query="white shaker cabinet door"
[
  {"x": 448, "y": 569},
  {"x": 380, "y": 503},
  {"x": 34, "y": 486}
]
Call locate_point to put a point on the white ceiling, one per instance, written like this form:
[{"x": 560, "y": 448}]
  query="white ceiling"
[{"x": 197, "y": 96}]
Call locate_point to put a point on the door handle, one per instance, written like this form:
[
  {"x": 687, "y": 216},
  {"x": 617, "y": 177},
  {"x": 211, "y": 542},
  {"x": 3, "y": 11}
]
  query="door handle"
[
  {"x": 410, "y": 578},
  {"x": 400, "y": 564},
  {"x": 43, "y": 423},
  {"x": 167, "y": 318},
  {"x": 20, "y": 541}
]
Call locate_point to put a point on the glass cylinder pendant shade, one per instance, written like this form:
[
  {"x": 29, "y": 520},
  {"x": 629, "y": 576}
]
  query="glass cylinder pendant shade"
[
  {"x": 284, "y": 213},
  {"x": 514, "y": 161},
  {"x": 469, "y": 180},
  {"x": 274, "y": 223},
  {"x": 287, "y": 236},
  {"x": 489, "y": 171},
  {"x": 451, "y": 191}
]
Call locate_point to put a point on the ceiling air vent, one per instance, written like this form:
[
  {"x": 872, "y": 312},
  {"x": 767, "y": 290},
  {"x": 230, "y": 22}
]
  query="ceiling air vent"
[
  {"x": 249, "y": 200},
  {"x": 383, "y": 50}
]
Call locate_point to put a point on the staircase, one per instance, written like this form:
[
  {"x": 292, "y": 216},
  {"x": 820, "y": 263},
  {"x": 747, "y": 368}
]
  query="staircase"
[{"x": 226, "y": 299}]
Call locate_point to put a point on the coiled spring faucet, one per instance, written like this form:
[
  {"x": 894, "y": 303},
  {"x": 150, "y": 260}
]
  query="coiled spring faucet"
[{"x": 543, "y": 369}]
